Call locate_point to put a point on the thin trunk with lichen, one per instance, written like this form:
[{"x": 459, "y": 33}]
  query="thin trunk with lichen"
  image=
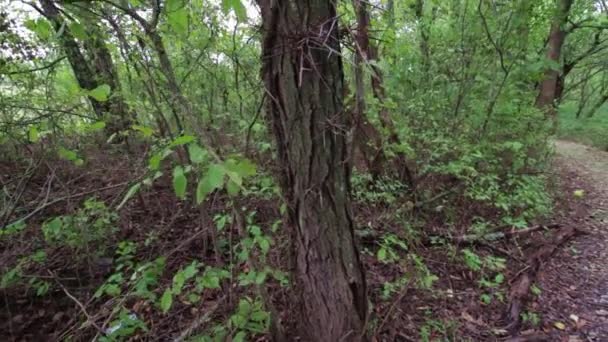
[{"x": 302, "y": 71}]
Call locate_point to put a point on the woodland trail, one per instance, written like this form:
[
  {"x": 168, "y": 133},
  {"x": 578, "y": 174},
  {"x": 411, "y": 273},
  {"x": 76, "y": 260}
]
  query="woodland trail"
[{"x": 574, "y": 283}]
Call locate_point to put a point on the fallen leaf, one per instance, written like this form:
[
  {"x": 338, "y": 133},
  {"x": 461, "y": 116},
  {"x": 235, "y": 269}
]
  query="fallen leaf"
[
  {"x": 559, "y": 325},
  {"x": 467, "y": 317},
  {"x": 601, "y": 312}
]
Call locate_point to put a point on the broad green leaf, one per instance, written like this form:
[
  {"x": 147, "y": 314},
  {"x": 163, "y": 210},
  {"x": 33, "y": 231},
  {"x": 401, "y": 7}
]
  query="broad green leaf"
[
  {"x": 145, "y": 131},
  {"x": 213, "y": 179},
  {"x": 97, "y": 126},
  {"x": 179, "y": 182},
  {"x": 132, "y": 191},
  {"x": 67, "y": 154},
  {"x": 178, "y": 20},
  {"x": 41, "y": 27},
  {"x": 78, "y": 30},
  {"x": 166, "y": 301},
  {"x": 154, "y": 161},
  {"x": 33, "y": 134},
  {"x": 101, "y": 93},
  {"x": 239, "y": 337},
  {"x": 197, "y": 154},
  {"x": 183, "y": 140},
  {"x": 237, "y": 6}
]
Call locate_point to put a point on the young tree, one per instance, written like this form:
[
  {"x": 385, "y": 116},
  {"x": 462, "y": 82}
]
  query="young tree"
[{"x": 303, "y": 75}]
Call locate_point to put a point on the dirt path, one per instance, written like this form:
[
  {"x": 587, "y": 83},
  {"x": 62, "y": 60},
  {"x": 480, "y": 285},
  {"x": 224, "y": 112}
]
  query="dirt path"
[{"x": 574, "y": 283}]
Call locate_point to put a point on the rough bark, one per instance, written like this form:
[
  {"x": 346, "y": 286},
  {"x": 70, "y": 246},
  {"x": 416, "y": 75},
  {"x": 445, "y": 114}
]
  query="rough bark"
[
  {"x": 302, "y": 72},
  {"x": 549, "y": 89}
]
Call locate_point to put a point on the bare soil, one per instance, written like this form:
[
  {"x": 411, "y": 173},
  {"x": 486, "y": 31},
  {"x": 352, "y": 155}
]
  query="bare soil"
[{"x": 574, "y": 283}]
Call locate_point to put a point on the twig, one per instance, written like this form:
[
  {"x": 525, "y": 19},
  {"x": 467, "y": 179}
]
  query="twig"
[
  {"x": 199, "y": 322},
  {"x": 393, "y": 306},
  {"x": 61, "y": 199},
  {"x": 80, "y": 305}
]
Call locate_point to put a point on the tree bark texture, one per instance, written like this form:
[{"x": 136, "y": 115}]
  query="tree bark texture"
[
  {"x": 303, "y": 76},
  {"x": 550, "y": 87}
]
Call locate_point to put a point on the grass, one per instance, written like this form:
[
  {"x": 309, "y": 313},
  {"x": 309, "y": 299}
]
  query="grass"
[{"x": 591, "y": 131}]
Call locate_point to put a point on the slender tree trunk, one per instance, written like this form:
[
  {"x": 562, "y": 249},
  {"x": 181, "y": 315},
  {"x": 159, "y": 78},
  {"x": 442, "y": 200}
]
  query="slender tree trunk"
[
  {"x": 302, "y": 72},
  {"x": 367, "y": 52},
  {"x": 106, "y": 73},
  {"x": 91, "y": 72},
  {"x": 80, "y": 66},
  {"x": 550, "y": 87},
  {"x": 367, "y": 139}
]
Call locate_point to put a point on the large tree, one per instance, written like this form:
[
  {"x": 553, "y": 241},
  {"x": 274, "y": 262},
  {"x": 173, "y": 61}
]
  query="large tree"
[{"x": 303, "y": 75}]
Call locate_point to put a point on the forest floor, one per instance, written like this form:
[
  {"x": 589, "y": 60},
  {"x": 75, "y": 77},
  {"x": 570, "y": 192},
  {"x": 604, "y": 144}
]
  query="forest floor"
[
  {"x": 575, "y": 280},
  {"x": 569, "y": 299}
]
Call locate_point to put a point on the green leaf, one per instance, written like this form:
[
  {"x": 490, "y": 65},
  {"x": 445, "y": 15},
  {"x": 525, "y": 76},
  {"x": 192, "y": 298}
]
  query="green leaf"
[
  {"x": 239, "y": 337},
  {"x": 33, "y": 134},
  {"x": 154, "y": 161},
  {"x": 179, "y": 182},
  {"x": 101, "y": 93},
  {"x": 237, "y": 6},
  {"x": 232, "y": 187},
  {"x": 97, "y": 126},
  {"x": 78, "y": 30},
  {"x": 183, "y": 140},
  {"x": 67, "y": 154},
  {"x": 41, "y": 27},
  {"x": 132, "y": 191},
  {"x": 178, "y": 20},
  {"x": 145, "y": 131},
  {"x": 166, "y": 301},
  {"x": 197, "y": 154},
  {"x": 213, "y": 179}
]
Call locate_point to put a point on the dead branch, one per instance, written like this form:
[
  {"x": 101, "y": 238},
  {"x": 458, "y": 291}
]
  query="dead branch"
[{"x": 521, "y": 286}]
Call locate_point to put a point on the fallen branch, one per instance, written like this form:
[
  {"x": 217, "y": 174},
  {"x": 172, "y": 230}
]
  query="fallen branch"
[
  {"x": 64, "y": 198},
  {"x": 81, "y": 306},
  {"x": 521, "y": 285},
  {"x": 197, "y": 323},
  {"x": 370, "y": 236},
  {"x": 513, "y": 232}
]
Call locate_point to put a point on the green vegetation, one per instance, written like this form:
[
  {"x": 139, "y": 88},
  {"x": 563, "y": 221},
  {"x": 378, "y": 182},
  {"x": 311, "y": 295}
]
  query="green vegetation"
[
  {"x": 230, "y": 170},
  {"x": 592, "y": 131}
]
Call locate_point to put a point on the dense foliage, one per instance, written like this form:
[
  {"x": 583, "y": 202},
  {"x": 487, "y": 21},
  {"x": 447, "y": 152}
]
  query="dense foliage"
[{"x": 143, "y": 172}]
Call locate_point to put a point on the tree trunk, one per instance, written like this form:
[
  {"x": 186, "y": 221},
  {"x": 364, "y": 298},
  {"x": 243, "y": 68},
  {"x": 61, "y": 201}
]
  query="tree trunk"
[
  {"x": 367, "y": 138},
  {"x": 302, "y": 72},
  {"x": 367, "y": 52},
  {"x": 81, "y": 68},
  {"x": 90, "y": 73},
  {"x": 550, "y": 87},
  {"x": 106, "y": 73}
]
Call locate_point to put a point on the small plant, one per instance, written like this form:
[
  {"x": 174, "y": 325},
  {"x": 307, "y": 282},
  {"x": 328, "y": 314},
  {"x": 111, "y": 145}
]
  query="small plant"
[
  {"x": 531, "y": 317},
  {"x": 388, "y": 248},
  {"x": 91, "y": 224}
]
